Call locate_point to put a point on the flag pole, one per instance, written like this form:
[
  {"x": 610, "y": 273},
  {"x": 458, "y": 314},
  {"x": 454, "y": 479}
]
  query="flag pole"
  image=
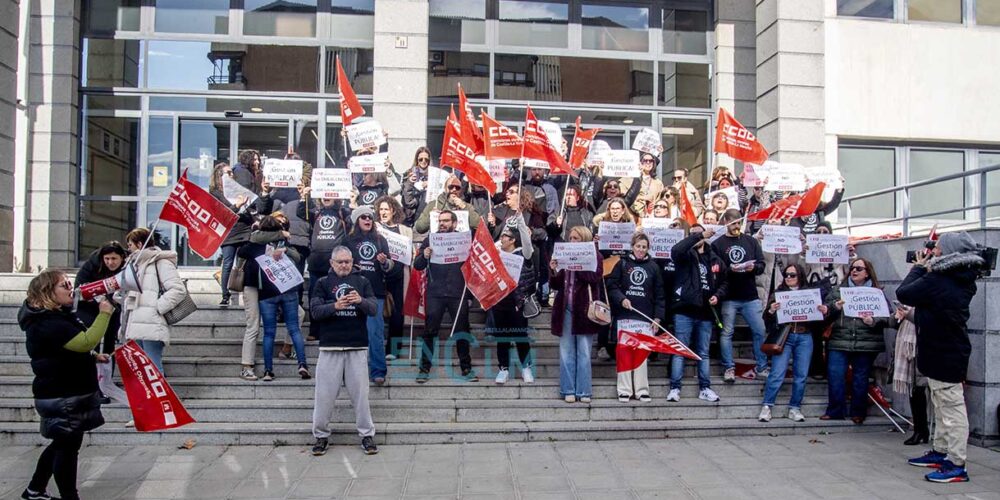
[
  {"x": 410, "y": 356},
  {"x": 458, "y": 313},
  {"x": 562, "y": 209},
  {"x": 657, "y": 325}
]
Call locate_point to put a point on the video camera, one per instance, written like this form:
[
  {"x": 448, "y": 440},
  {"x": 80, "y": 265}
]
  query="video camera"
[{"x": 988, "y": 254}]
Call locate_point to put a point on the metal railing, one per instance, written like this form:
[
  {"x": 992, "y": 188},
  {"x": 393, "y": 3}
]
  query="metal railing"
[{"x": 904, "y": 191}]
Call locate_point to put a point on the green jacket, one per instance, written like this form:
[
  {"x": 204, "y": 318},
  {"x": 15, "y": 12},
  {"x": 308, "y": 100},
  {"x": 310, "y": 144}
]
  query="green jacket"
[{"x": 852, "y": 334}]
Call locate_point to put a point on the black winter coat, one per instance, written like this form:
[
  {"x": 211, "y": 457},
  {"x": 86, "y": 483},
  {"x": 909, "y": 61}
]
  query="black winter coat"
[
  {"x": 942, "y": 296},
  {"x": 443, "y": 280},
  {"x": 92, "y": 270},
  {"x": 251, "y": 270},
  {"x": 691, "y": 289}
]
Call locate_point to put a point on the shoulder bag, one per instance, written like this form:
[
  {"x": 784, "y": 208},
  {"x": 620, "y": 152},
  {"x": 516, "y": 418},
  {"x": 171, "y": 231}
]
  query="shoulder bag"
[
  {"x": 774, "y": 344},
  {"x": 237, "y": 276},
  {"x": 598, "y": 312},
  {"x": 181, "y": 310}
]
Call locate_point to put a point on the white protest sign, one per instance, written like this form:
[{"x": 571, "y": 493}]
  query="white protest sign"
[
  {"x": 786, "y": 177},
  {"x": 863, "y": 302},
  {"x": 753, "y": 175},
  {"x": 575, "y": 256},
  {"x": 781, "y": 239},
  {"x": 461, "y": 217},
  {"x": 282, "y": 173},
  {"x": 400, "y": 247},
  {"x": 826, "y": 249},
  {"x": 368, "y": 164},
  {"x": 450, "y": 248},
  {"x": 436, "y": 177},
  {"x": 718, "y": 229},
  {"x": 331, "y": 184},
  {"x": 367, "y": 134},
  {"x": 648, "y": 141},
  {"x": 732, "y": 198},
  {"x": 282, "y": 272},
  {"x": 798, "y": 306},
  {"x": 829, "y": 175},
  {"x": 622, "y": 163},
  {"x": 615, "y": 235},
  {"x": 513, "y": 263},
  {"x": 232, "y": 190},
  {"x": 598, "y": 153},
  {"x": 661, "y": 237},
  {"x": 635, "y": 326}
]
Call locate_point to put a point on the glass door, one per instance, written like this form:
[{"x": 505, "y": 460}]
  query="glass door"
[
  {"x": 201, "y": 144},
  {"x": 268, "y": 138},
  {"x": 686, "y": 145}
]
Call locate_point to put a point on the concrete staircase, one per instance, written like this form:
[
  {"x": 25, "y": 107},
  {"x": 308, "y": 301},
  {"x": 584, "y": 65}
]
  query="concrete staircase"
[{"x": 202, "y": 364}]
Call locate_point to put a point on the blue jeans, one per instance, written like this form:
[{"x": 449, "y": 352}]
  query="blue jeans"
[
  {"x": 684, "y": 326},
  {"x": 837, "y": 362},
  {"x": 376, "y": 343},
  {"x": 228, "y": 258},
  {"x": 753, "y": 314},
  {"x": 799, "y": 348},
  {"x": 289, "y": 302},
  {"x": 153, "y": 349},
  {"x": 574, "y": 361}
]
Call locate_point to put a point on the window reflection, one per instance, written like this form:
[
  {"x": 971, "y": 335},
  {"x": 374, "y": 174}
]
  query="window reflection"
[
  {"x": 470, "y": 68},
  {"x": 111, "y": 63},
  {"x": 232, "y": 66},
  {"x": 202, "y": 144},
  {"x": 685, "y": 85},
  {"x": 159, "y": 176},
  {"x": 684, "y": 31},
  {"x": 607, "y": 27},
  {"x": 192, "y": 16},
  {"x": 454, "y": 22},
  {"x": 359, "y": 65},
  {"x": 353, "y": 19},
  {"x": 869, "y": 169},
  {"x": 925, "y": 164},
  {"x": 882, "y": 9},
  {"x": 992, "y": 182},
  {"x": 293, "y": 18},
  {"x": 571, "y": 79},
  {"x": 106, "y": 16},
  {"x": 533, "y": 24},
  {"x": 942, "y": 11},
  {"x": 101, "y": 222},
  {"x": 110, "y": 157},
  {"x": 685, "y": 145}
]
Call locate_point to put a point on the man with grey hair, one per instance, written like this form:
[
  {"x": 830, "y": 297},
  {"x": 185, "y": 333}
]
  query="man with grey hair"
[
  {"x": 339, "y": 307},
  {"x": 941, "y": 285}
]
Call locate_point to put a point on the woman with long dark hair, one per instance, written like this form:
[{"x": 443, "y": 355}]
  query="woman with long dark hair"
[{"x": 104, "y": 263}]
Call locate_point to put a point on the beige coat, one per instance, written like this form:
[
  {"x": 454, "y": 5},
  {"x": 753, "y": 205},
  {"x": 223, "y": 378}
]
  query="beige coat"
[{"x": 142, "y": 312}]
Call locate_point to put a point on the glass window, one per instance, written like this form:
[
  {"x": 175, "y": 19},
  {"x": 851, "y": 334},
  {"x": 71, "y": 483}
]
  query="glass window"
[
  {"x": 882, "y": 9},
  {"x": 454, "y": 22},
  {"x": 219, "y": 105},
  {"x": 606, "y": 119},
  {"x": 867, "y": 170},
  {"x": 992, "y": 182},
  {"x": 448, "y": 68},
  {"x": 113, "y": 102},
  {"x": 202, "y": 144},
  {"x": 534, "y": 24},
  {"x": 231, "y": 66},
  {"x": 107, "y": 16},
  {"x": 685, "y": 145},
  {"x": 942, "y": 11},
  {"x": 160, "y": 157},
  {"x": 294, "y": 18},
  {"x": 684, "y": 31},
  {"x": 988, "y": 12},
  {"x": 101, "y": 222},
  {"x": 685, "y": 85},
  {"x": 353, "y": 20},
  {"x": 570, "y": 79},
  {"x": 926, "y": 164},
  {"x": 359, "y": 65},
  {"x": 111, "y": 63},
  {"x": 608, "y": 27},
  {"x": 110, "y": 157},
  {"x": 192, "y": 16}
]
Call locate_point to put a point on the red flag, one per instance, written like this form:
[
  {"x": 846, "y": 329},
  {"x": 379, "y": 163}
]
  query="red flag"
[
  {"x": 460, "y": 155},
  {"x": 633, "y": 349},
  {"x": 538, "y": 147},
  {"x": 687, "y": 212},
  {"x": 207, "y": 220},
  {"x": 350, "y": 108},
  {"x": 933, "y": 236},
  {"x": 581, "y": 144},
  {"x": 798, "y": 205},
  {"x": 153, "y": 403},
  {"x": 415, "y": 301},
  {"x": 484, "y": 272},
  {"x": 500, "y": 142},
  {"x": 471, "y": 134},
  {"x": 733, "y": 139}
]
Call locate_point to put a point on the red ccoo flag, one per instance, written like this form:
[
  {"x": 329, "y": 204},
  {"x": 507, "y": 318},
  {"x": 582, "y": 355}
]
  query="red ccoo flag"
[
  {"x": 207, "y": 220},
  {"x": 153, "y": 403},
  {"x": 415, "y": 301},
  {"x": 538, "y": 147},
  {"x": 501, "y": 143},
  {"x": 471, "y": 134},
  {"x": 633, "y": 349},
  {"x": 733, "y": 139},
  {"x": 460, "y": 155},
  {"x": 484, "y": 272},
  {"x": 687, "y": 212},
  {"x": 581, "y": 144},
  {"x": 350, "y": 108},
  {"x": 799, "y": 205}
]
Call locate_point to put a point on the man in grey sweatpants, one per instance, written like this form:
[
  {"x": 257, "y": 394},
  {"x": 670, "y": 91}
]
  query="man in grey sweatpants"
[{"x": 339, "y": 307}]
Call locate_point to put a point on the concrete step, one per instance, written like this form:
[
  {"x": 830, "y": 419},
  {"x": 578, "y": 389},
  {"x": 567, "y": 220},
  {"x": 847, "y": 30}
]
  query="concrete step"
[{"x": 387, "y": 434}]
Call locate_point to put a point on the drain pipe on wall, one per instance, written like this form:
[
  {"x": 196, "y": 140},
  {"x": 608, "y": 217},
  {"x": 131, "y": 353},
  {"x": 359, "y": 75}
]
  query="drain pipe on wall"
[{"x": 22, "y": 134}]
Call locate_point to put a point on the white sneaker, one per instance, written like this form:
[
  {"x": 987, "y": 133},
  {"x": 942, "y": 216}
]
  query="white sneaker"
[
  {"x": 570, "y": 398},
  {"x": 730, "y": 376},
  {"x": 708, "y": 394},
  {"x": 602, "y": 354},
  {"x": 763, "y": 374},
  {"x": 390, "y": 357},
  {"x": 795, "y": 415},
  {"x": 674, "y": 395},
  {"x": 502, "y": 376},
  {"x": 765, "y": 414},
  {"x": 529, "y": 378}
]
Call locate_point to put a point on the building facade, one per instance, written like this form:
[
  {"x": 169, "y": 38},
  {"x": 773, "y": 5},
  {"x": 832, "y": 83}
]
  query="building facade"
[{"x": 106, "y": 102}]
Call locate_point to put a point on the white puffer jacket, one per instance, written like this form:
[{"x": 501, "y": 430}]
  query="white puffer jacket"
[{"x": 142, "y": 312}]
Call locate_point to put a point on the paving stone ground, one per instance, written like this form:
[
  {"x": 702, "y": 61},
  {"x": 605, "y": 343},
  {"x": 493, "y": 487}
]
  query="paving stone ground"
[{"x": 850, "y": 466}]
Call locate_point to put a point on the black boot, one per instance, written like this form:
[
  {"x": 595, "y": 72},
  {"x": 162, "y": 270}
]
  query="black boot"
[{"x": 918, "y": 407}]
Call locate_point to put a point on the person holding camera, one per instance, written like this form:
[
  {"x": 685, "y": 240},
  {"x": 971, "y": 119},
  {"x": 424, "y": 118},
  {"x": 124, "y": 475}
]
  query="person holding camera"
[{"x": 941, "y": 285}]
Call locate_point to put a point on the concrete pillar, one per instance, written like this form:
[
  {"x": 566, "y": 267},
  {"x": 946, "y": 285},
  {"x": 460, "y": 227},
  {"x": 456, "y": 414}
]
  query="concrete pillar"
[
  {"x": 400, "y": 86},
  {"x": 53, "y": 175},
  {"x": 8, "y": 99},
  {"x": 734, "y": 82},
  {"x": 790, "y": 80}
]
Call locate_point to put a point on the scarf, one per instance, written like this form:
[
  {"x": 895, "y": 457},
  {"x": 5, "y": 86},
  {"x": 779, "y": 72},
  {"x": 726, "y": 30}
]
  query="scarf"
[
  {"x": 850, "y": 283},
  {"x": 905, "y": 361}
]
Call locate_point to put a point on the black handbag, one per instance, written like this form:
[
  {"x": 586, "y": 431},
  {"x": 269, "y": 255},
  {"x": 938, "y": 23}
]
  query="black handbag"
[{"x": 774, "y": 344}]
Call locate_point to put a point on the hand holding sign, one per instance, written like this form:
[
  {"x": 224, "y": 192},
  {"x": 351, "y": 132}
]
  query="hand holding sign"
[
  {"x": 282, "y": 173},
  {"x": 864, "y": 302},
  {"x": 796, "y": 306}
]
